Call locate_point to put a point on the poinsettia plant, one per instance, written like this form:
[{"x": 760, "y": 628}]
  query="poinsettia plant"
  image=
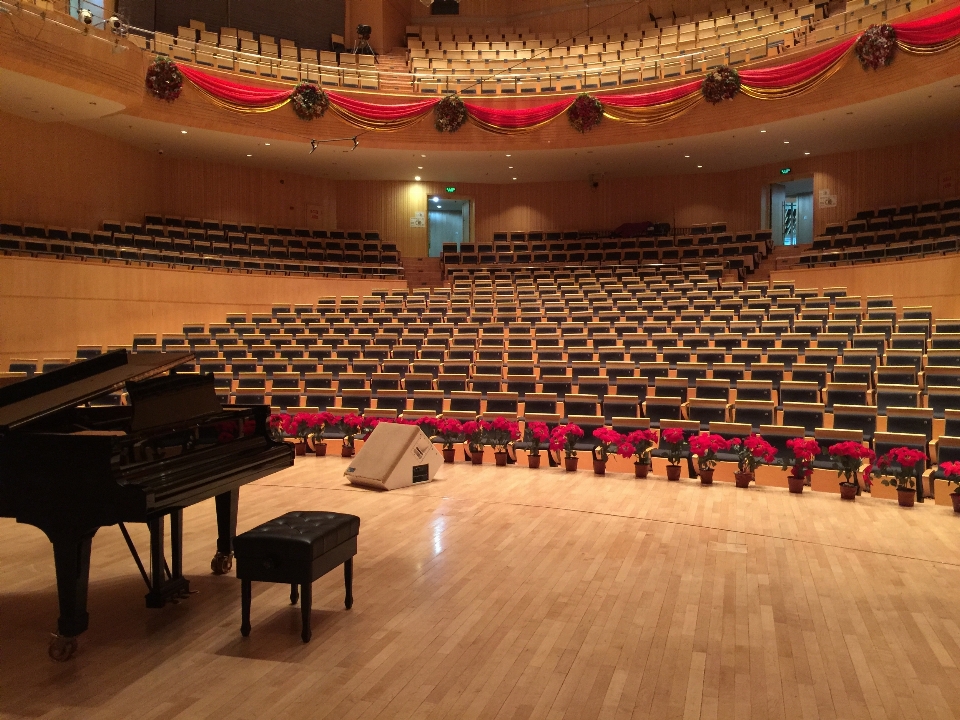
[
  {"x": 610, "y": 441},
  {"x": 705, "y": 447},
  {"x": 565, "y": 437},
  {"x": 350, "y": 425},
  {"x": 502, "y": 432},
  {"x": 585, "y": 113},
  {"x": 752, "y": 452},
  {"x": 899, "y": 467},
  {"x": 536, "y": 434},
  {"x": 475, "y": 432},
  {"x": 638, "y": 445},
  {"x": 848, "y": 457},
  {"x": 951, "y": 473},
  {"x": 276, "y": 425},
  {"x": 370, "y": 423},
  {"x": 675, "y": 443},
  {"x": 804, "y": 452},
  {"x": 319, "y": 422},
  {"x": 876, "y": 47},
  {"x": 447, "y": 431}
]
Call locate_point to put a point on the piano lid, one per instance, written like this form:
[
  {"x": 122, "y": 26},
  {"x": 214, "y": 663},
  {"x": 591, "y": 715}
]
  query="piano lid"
[{"x": 43, "y": 395}]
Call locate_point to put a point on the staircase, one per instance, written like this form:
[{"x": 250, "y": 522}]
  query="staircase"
[
  {"x": 394, "y": 62},
  {"x": 776, "y": 260},
  {"x": 422, "y": 272}
]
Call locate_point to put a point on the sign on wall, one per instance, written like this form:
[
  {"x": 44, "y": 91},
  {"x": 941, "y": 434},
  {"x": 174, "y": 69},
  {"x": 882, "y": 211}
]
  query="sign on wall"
[
  {"x": 827, "y": 199},
  {"x": 313, "y": 214},
  {"x": 418, "y": 220}
]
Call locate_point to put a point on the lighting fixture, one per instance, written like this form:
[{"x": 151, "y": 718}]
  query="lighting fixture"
[
  {"x": 267, "y": 144},
  {"x": 806, "y": 153},
  {"x": 423, "y": 156},
  {"x": 786, "y": 142},
  {"x": 419, "y": 167},
  {"x": 436, "y": 199},
  {"x": 686, "y": 156},
  {"x": 699, "y": 166},
  {"x": 514, "y": 178},
  {"x": 509, "y": 167},
  {"x": 417, "y": 178},
  {"x": 183, "y": 132},
  {"x": 249, "y": 155},
  {"x": 763, "y": 131},
  {"x": 508, "y": 155}
]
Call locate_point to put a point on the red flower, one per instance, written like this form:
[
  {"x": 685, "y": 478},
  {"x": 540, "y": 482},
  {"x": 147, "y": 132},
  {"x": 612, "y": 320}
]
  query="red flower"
[
  {"x": 674, "y": 436},
  {"x": 564, "y": 437},
  {"x": 949, "y": 469}
]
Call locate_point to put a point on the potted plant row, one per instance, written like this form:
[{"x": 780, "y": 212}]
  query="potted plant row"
[
  {"x": 951, "y": 474},
  {"x": 565, "y": 438},
  {"x": 848, "y": 457},
  {"x": 752, "y": 452},
  {"x": 805, "y": 450},
  {"x": 899, "y": 468}
]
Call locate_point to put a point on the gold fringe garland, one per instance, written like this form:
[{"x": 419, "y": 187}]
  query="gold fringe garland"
[
  {"x": 653, "y": 114},
  {"x": 239, "y": 108},
  {"x": 513, "y": 131},
  {"x": 929, "y": 49},
  {"x": 796, "y": 89}
]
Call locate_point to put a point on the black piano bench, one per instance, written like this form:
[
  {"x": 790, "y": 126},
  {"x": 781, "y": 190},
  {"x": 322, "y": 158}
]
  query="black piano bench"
[{"x": 296, "y": 548}]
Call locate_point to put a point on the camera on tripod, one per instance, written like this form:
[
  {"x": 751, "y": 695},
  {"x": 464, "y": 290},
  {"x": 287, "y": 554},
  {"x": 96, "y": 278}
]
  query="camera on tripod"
[{"x": 363, "y": 32}]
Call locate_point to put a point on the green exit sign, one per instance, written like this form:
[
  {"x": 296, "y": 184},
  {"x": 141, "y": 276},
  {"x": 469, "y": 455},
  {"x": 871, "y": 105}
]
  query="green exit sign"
[
  {"x": 784, "y": 171},
  {"x": 451, "y": 189}
]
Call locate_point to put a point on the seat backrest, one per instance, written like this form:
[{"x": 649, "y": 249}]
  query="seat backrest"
[
  {"x": 754, "y": 412},
  {"x": 913, "y": 420},
  {"x": 778, "y": 435}
]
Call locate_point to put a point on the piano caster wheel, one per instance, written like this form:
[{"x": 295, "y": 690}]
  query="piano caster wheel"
[
  {"x": 221, "y": 564},
  {"x": 62, "y": 647}
]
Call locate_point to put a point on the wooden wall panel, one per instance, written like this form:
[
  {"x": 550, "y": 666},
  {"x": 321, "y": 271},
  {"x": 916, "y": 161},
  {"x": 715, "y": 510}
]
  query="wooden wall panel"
[
  {"x": 48, "y": 307},
  {"x": 927, "y": 281}
]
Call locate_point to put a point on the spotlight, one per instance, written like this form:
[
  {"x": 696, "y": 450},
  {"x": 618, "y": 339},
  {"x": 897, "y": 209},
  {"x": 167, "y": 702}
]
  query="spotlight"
[
  {"x": 114, "y": 23},
  {"x": 86, "y": 17},
  {"x": 313, "y": 146}
]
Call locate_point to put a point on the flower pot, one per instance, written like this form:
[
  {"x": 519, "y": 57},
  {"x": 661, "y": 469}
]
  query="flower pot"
[
  {"x": 599, "y": 467},
  {"x": 449, "y": 454},
  {"x": 955, "y": 496},
  {"x": 347, "y": 451},
  {"x": 744, "y": 479},
  {"x": 533, "y": 461},
  {"x": 570, "y": 463},
  {"x": 476, "y": 457},
  {"x": 300, "y": 448},
  {"x": 673, "y": 472},
  {"x": 906, "y": 496},
  {"x": 706, "y": 477},
  {"x": 640, "y": 470},
  {"x": 501, "y": 458},
  {"x": 320, "y": 449},
  {"x": 848, "y": 491},
  {"x": 795, "y": 484}
]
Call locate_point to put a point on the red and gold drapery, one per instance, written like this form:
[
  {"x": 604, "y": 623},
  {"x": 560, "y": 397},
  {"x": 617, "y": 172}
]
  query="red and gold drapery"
[
  {"x": 794, "y": 78},
  {"x": 653, "y": 107},
  {"x": 929, "y": 35},
  {"x": 513, "y": 121}
]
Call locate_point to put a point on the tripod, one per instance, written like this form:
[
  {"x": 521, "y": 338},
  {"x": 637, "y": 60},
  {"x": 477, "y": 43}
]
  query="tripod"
[{"x": 363, "y": 47}]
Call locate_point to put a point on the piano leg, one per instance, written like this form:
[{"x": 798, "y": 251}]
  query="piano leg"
[
  {"x": 177, "y": 586},
  {"x": 227, "y": 504},
  {"x": 72, "y": 561}
]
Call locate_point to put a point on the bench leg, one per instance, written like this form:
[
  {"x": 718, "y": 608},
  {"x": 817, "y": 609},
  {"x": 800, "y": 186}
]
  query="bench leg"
[
  {"x": 294, "y": 595},
  {"x": 348, "y": 582},
  {"x": 306, "y": 603},
  {"x": 245, "y": 592}
]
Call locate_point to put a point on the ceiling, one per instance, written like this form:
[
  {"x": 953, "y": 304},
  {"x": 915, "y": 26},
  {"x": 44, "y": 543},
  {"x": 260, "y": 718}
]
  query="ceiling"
[{"x": 914, "y": 115}]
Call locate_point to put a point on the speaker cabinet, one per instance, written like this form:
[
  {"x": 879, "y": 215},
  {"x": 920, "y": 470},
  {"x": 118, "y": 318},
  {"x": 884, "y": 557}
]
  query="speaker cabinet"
[{"x": 394, "y": 456}]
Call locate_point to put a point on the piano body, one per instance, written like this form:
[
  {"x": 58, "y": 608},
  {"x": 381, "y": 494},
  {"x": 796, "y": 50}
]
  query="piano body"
[{"x": 70, "y": 468}]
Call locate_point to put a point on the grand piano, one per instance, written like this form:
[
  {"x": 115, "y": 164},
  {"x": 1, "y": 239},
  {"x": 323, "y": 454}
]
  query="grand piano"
[{"x": 70, "y": 466}]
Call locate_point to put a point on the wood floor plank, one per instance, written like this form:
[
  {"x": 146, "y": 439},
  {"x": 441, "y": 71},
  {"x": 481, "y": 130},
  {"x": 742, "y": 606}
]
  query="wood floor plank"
[{"x": 504, "y": 594}]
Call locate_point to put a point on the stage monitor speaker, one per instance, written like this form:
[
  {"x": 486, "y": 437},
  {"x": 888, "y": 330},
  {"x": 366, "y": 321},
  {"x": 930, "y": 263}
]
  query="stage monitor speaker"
[{"x": 394, "y": 456}]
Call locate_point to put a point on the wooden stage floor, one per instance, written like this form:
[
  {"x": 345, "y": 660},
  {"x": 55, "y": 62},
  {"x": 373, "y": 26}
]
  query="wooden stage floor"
[{"x": 513, "y": 593}]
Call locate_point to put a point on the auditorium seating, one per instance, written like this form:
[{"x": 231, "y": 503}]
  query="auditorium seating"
[
  {"x": 516, "y": 60},
  {"x": 594, "y": 345},
  {"x": 888, "y": 233},
  {"x": 211, "y": 244},
  {"x": 710, "y": 250}
]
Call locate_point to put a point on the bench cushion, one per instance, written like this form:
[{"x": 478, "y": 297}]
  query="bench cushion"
[{"x": 300, "y": 535}]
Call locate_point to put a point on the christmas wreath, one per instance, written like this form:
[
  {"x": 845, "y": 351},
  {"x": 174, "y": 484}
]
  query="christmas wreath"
[
  {"x": 450, "y": 114},
  {"x": 721, "y": 84},
  {"x": 164, "y": 79},
  {"x": 309, "y": 101},
  {"x": 876, "y": 46},
  {"x": 585, "y": 113}
]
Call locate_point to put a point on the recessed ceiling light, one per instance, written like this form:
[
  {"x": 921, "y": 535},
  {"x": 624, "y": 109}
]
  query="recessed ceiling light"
[
  {"x": 686, "y": 156},
  {"x": 267, "y": 144},
  {"x": 763, "y": 131},
  {"x": 417, "y": 178},
  {"x": 514, "y": 178},
  {"x": 509, "y": 167},
  {"x": 699, "y": 166},
  {"x": 806, "y": 153},
  {"x": 249, "y": 155},
  {"x": 786, "y": 142},
  {"x": 508, "y": 155},
  {"x": 419, "y": 167},
  {"x": 183, "y": 132},
  {"x": 423, "y": 156},
  {"x": 436, "y": 199}
]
